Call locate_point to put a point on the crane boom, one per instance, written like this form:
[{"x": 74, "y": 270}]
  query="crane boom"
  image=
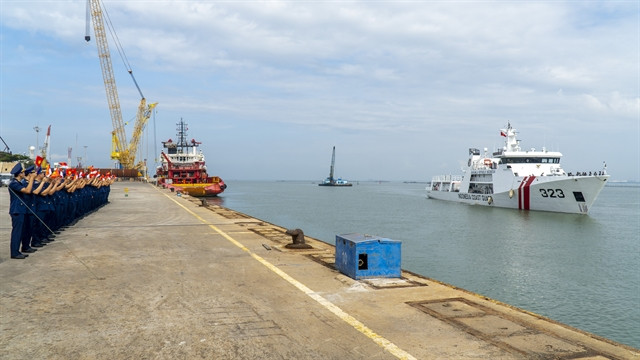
[
  {"x": 109, "y": 79},
  {"x": 333, "y": 163},
  {"x": 122, "y": 151},
  {"x": 144, "y": 112},
  {"x": 6, "y": 147}
]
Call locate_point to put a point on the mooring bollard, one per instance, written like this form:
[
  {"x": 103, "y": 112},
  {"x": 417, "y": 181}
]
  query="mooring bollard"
[{"x": 298, "y": 239}]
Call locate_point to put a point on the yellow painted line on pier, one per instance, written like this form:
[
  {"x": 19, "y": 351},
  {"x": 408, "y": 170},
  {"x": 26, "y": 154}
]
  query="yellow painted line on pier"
[{"x": 355, "y": 323}]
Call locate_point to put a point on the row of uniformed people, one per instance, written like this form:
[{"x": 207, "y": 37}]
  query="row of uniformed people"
[{"x": 40, "y": 205}]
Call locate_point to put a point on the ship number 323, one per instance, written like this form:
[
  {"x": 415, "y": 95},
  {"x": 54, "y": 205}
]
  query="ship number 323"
[{"x": 552, "y": 193}]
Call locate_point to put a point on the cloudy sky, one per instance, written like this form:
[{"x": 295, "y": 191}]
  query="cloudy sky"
[{"x": 401, "y": 88}]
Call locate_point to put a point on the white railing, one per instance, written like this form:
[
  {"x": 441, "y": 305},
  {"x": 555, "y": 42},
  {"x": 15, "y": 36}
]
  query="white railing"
[{"x": 446, "y": 178}]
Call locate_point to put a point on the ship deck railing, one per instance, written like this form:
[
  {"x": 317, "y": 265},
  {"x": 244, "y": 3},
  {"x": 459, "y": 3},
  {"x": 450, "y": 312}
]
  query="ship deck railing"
[{"x": 446, "y": 178}]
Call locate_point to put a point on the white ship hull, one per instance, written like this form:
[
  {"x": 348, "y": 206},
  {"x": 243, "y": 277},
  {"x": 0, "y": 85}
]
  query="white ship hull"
[
  {"x": 498, "y": 180},
  {"x": 566, "y": 194}
]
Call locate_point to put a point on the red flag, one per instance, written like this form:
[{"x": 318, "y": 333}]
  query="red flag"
[
  {"x": 38, "y": 161},
  {"x": 502, "y": 133}
]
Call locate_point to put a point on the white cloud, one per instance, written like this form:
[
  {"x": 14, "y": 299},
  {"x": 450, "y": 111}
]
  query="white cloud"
[
  {"x": 382, "y": 68},
  {"x": 614, "y": 104}
]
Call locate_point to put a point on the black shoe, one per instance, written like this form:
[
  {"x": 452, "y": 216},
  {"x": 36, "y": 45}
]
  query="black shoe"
[
  {"x": 50, "y": 240},
  {"x": 19, "y": 256},
  {"x": 57, "y": 232},
  {"x": 37, "y": 245},
  {"x": 29, "y": 250}
]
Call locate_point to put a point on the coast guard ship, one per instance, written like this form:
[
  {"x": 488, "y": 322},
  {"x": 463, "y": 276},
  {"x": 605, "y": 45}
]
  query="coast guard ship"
[{"x": 520, "y": 179}]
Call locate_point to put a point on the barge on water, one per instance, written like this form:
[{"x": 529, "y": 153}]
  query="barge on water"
[{"x": 331, "y": 181}]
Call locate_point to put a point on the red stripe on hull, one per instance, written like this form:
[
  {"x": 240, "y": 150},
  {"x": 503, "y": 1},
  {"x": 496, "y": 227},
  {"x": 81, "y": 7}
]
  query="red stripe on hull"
[
  {"x": 520, "y": 192},
  {"x": 524, "y": 193},
  {"x": 527, "y": 193}
]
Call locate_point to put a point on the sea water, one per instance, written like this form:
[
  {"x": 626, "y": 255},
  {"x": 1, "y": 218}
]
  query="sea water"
[{"x": 581, "y": 270}]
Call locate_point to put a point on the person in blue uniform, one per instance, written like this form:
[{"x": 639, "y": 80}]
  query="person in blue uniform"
[
  {"x": 49, "y": 228},
  {"x": 30, "y": 200},
  {"x": 20, "y": 186},
  {"x": 38, "y": 227}
]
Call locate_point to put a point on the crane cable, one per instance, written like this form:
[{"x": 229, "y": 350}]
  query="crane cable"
[
  {"x": 114, "y": 36},
  {"x": 123, "y": 56}
]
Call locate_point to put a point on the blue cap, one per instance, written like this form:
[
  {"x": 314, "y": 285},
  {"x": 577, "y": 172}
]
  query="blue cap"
[
  {"x": 29, "y": 170},
  {"x": 16, "y": 169}
]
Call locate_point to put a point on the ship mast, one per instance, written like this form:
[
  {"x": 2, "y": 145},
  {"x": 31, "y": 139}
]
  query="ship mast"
[{"x": 182, "y": 135}]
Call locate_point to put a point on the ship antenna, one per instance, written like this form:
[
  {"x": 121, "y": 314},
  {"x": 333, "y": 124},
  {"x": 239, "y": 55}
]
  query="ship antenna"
[{"x": 182, "y": 134}]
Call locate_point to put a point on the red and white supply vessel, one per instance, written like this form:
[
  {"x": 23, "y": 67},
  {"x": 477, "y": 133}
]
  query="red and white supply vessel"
[
  {"x": 183, "y": 167},
  {"x": 520, "y": 179}
]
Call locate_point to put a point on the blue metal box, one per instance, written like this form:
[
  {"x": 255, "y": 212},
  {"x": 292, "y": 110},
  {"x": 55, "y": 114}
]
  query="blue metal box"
[{"x": 364, "y": 256}]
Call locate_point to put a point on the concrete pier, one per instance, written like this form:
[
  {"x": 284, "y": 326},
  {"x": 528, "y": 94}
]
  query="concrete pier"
[{"x": 153, "y": 275}]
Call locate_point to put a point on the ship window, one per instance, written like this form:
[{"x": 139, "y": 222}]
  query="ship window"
[
  {"x": 578, "y": 195},
  {"x": 480, "y": 188},
  {"x": 529, "y": 160}
]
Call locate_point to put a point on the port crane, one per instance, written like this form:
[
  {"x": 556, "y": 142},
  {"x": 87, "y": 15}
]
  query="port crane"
[
  {"x": 122, "y": 151},
  {"x": 6, "y": 147}
]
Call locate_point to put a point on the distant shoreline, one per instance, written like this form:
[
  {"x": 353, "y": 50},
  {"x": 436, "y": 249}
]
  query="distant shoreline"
[{"x": 610, "y": 183}]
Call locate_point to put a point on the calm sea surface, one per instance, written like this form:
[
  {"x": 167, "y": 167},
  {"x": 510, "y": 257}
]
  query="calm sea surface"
[{"x": 583, "y": 271}]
